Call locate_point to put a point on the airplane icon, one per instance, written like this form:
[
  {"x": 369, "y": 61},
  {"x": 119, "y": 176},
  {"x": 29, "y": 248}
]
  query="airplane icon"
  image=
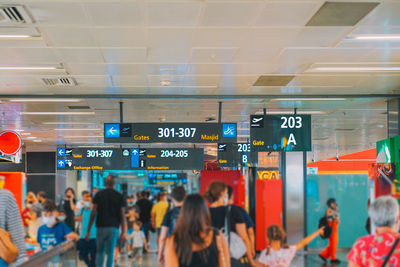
[{"x": 255, "y": 120}]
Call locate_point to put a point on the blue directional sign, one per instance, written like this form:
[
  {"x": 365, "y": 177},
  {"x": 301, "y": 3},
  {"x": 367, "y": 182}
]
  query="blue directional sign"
[
  {"x": 229, "y": 130},
  {"x": 135, "y": 158},
  {"x": 60, "y": 152},
  {"x": 60, "y": 163},
  {"x": 111, "y": 130}
]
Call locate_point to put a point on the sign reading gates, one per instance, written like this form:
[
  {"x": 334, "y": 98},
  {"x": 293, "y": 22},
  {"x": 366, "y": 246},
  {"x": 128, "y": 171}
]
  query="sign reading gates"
[
  {"x": 280, "y": 132},
  {"x": 102, "y": 158},
  {"x": 170, "y": 132},
  {"x": 235, "y": 154}
]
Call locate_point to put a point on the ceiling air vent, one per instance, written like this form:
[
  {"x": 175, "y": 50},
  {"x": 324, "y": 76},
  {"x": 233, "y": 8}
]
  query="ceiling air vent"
[
  {"x": 63, "y": 81},
  {"x": 344, "y": 129},
  {"x": 14, "y": 15},
  {"x": 273, "y": 80},
  {"x": 78, "y": 107}
]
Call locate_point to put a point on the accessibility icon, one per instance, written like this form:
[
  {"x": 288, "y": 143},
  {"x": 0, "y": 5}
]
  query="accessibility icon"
[{"x": 111, "y": 130}]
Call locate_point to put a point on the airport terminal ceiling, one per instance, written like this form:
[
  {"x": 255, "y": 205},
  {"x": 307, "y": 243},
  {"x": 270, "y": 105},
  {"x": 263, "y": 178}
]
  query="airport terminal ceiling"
[{"x": 236, "y": 52}]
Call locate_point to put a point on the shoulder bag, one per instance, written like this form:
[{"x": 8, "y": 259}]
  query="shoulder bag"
[
  {"x": 237, "y": 247},
  {"x": 8, "y": 251},
  {"x": 391, "y": 252}
]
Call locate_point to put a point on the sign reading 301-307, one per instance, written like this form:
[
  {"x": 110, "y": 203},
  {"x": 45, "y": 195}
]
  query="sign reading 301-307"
[
  {"x": 170, "y": 132},
  {"x": 280, "y": 132}
]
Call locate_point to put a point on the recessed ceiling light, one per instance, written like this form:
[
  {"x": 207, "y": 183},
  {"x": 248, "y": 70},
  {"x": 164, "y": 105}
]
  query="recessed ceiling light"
[
  {"x": 380, "y": 125},
  {"x": 58, "y": 113},
  {"x": 45, "y": 100},
  {"x": 353, "y": 69},
  {"x": 25, "y": 133},
  {"x": 29, "y": 138},
  {"x": 310, "y": 99},
  {"x": 286, "y": 112},
  {"x": 28, "y": 68},
  {"x": 374, "y": 37},
  {"x": 68, "y": 123},
  {"x": 165, "y": 82},
  {"x": 75, "y": 129},
  {"x": 37, "y": 141}
]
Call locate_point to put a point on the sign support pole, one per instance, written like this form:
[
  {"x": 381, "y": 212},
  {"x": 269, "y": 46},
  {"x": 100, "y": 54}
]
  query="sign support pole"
[
  {"x": 121, "y": 112},
  {"x": 219, "y": 111}
]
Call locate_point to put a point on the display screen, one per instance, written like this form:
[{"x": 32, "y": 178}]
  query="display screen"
[
  {"x": 280, "y": 132},
  {"x": 233, "y": 155},
  {"x": 170, "y": 132},
  {"x": 130, "y": 159}
]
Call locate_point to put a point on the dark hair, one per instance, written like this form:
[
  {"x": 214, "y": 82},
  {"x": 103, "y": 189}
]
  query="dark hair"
[
  {"x": 193, "y": 221},
  {"x": 330, "y": 201},
  {"x": 49, "y": 206},
  {"x": 138, "y": 223},
  {"x": 214, "y": 191},
  {"x": 85, "y": 192},
  {"x": 42, "y": 194},
  {"x": 71, "y": 190},
  {"x": 230, "y": 191},
  {"x": 110, "y": 181},
  {"x": 276, "y": 233},
  {"x": 178, "y": 193}
]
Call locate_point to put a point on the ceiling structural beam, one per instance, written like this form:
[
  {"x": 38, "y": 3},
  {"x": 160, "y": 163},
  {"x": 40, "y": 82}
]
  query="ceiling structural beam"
[{"x": 126, "y": 96}]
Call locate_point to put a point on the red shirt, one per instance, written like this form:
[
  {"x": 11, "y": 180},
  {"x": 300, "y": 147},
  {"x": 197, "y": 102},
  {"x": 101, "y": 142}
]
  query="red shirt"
[
  {"x": 371, "y": 251},
  {"x": 24, "y": 216}
]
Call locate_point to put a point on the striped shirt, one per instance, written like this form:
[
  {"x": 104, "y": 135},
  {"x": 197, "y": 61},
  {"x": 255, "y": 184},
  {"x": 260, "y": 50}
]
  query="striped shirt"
[{"x": 10, "y": 220}]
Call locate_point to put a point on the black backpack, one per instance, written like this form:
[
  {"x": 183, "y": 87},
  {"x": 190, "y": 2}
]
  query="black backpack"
[
  {"x": 172, "y": 222},
  {"x": 323, "y": 222}
]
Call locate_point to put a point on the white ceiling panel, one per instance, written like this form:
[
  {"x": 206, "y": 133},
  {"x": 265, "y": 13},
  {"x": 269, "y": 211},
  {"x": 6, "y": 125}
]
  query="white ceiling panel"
[
  {"x": 67, "y": 36},
  {"x": 382, "y": 55},
  {"x": 80, "y": 55},
  {"x": 217, "y": 37},
  {"x": 125, "y": 13},
  {"x": 169, "y": 45},
  {"x": 256, "y": 53},
  {"x": 320, "y": 37},
  {"x": 231, "y": 14},
  {"x": 385, "y": 14},
  {"x": 270, "y": 37},
  {"x": 120, "y": 37},
  {"x": 162, "y": 14},
  {"x": 28, "y": 56},
  {"x": 130, "y": 80},
  {"x": 86, "y": 69},
  {"x": 58, "y": 13},
  {"x": 92, "y": 81},
  {"x": 124, "y": 55},
  {"x": 206, "y": 55},
  {"x": 286, "y": 13}
]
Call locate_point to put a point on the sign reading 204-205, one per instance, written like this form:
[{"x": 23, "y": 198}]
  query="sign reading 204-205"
[
  {"x": 170, "y": 132},
  {"x": 280, "y": 132}
]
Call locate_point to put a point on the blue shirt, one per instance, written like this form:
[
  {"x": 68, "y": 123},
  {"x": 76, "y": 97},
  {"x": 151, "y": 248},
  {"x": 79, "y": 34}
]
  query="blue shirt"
[
  {"x": 52, "y": 236},
  {"x": 85, "y": 213}
]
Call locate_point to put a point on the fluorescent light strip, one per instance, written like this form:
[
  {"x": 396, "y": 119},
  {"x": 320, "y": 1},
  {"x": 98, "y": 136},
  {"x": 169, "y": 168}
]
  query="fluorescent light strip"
[
  {"x": 73, "y": 129},
  {"x": 57, "y": 113},
  {"x": 300, "y": 112},
  {"x": 68, "y": 123},
  {"x": 81, "y": 136},
  {"x": 45, "y": 100},
  {"x": 14, "y": 36},
  {"x": 37, "y": 141},
  {"x": 28, "y": 68},
  {"x": 352, "y": 69},
  {"x": 374, "y": 37},
  {"x": 310, "y": 99}
]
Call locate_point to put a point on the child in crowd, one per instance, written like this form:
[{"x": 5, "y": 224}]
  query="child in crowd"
[
  {"x": 131, "y": 217},
  {"x": 278, "y": 253},
  {"x": 53, "y": 232},
  {"x": 139, "y": 242}
]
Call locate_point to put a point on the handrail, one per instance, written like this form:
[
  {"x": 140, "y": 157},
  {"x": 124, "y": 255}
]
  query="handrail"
[{"x": 45, "y": 256}]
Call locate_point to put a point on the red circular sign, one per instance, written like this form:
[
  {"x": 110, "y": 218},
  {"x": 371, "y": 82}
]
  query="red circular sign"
[{"x": 10, "y": 142}]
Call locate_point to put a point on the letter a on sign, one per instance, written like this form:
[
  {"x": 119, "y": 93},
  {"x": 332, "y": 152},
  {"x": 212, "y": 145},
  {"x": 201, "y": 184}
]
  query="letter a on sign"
[{"x": 292, "y": 140}]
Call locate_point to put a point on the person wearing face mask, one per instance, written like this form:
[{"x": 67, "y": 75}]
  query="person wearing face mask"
[
  {"x": 68, "y": 204},
  {"x": 333, "y": 218},
  {"x": 217, "y": 197},
  {"x": 35, "y": 223},
  {"x": 87, "y": 248},
  {"x": 383, "y": 247},
  {"x": 53, "y": 232}
]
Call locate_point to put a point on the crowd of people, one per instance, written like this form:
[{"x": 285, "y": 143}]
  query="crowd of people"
[{"x": 191, "y": 230}]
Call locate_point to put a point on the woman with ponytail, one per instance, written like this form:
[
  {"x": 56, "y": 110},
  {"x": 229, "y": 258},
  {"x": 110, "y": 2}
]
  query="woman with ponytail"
[{"x": 279, "y": 254}]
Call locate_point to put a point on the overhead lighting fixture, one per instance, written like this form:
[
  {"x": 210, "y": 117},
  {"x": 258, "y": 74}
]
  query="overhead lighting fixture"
[
  {"x": 19, "y": 36},
  {"x": 29, "y": 138},
  {"x": 353, "y": 69},
  {"x": 57, "y": 113},
  {"x": 311, "y": 99},
  {"x": 37, "y": 141},
  {"x": 29, "y": 68},
  {"x": 76, "y": 129},
  {"x": 291, "y": 112},
  {"x": 26, "y": 134},
  {"x": 374, "y": 37},
  {"x": 165, "y": 82},
  {"x": 68, "y": 123},
  {"x": 81, "y": 136},
  {"x": 45, "y": 100}
]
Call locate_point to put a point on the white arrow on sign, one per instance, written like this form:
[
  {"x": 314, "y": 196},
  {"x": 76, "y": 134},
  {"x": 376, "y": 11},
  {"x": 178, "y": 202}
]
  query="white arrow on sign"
[
  {"x": 134, "y": 152},
  {"x": 112, "y": 131},
  {"x": 61, "y": 163}
]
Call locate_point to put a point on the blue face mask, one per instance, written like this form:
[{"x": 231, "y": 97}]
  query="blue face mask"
[{"x": 61, "y": 218}]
